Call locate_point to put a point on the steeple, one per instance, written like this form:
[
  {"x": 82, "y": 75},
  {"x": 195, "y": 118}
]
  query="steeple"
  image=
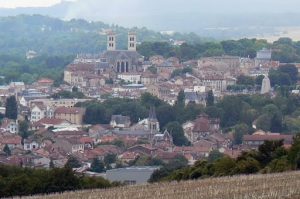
[
  {"x": 152, "y": 114},
  {"x": 153, "y": 124}
]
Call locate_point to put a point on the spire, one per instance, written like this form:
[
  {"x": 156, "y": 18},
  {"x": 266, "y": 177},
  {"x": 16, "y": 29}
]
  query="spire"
[{"x": 152, "y": 113}]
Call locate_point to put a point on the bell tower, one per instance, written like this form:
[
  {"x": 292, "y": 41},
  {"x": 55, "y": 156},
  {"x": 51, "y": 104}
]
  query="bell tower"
[
  {"x": 132, "y": 41},
  {"x": 153, "y": 124},
  {"x": 111, "y": 41}
]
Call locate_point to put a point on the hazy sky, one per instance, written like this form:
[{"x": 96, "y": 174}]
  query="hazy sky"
[
  {"x": 27, "y": 3},
  {"x": 251, "y": 5}
]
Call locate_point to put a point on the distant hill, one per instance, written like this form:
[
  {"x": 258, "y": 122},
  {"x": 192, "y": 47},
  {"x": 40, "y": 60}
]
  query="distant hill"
[
  {"x": 217, "y": 19},
  {"x": 54, "y": 36},
  {"x": 271, "y": 186}
]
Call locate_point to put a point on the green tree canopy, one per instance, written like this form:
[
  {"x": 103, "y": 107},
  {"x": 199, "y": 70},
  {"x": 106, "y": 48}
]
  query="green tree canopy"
[{"x": 11, "y": 110}]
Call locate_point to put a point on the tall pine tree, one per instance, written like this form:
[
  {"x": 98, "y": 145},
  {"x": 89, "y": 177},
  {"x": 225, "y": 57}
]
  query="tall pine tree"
[
  {"x": 11, "y": 111},
  {"x": 210, "y": 100}
]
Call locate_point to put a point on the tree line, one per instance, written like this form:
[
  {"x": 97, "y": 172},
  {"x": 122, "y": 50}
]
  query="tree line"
[
  {"x": 16, "y": 181},
  {"x": 284, "y": 49},
  {"x": 15, "y": 67}
]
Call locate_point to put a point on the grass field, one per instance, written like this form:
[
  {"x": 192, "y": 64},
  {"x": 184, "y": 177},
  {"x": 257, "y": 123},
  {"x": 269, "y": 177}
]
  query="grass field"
[{"x": 273, "y": 186}]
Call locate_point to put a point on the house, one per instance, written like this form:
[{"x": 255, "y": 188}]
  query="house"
[
  {"x": 37, "y": 112},
  {"x": 76, "y": 144},
  {"x": 143, "y": 150},
  {"x": 73, "y": 115},
  {"x": 195, "y": 97},
  {"x": 148, "y": 79},
  {"x": 45, "y": 123},
  {"x": 164, "y": 140},
  {"x": 157, "y": 59},
  {"x": 255, "y": 140},
  {"x": 41, "y": 162},
  {"x": 119, "y": 121},
  {"x": 31, "y": 144},
  {"x": 127, "y": 157},
  {"x": 45, "y": 82},
  {"x": 9, "y": 125},
  {"x": 202, "y": 128},
  {"x": 12, "y": 141}
]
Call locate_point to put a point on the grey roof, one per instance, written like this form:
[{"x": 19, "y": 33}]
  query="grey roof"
[
  {"x": 133, "y": 132},
  {"x": 120, "y": 119},
  {"x": 114, "y": 55},
  {"x": 193, "y": 96}
]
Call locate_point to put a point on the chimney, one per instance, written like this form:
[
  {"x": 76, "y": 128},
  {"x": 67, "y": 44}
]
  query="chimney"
[
  {"x": 111, "y": 41},
  {"x": 132, "y": 41}
]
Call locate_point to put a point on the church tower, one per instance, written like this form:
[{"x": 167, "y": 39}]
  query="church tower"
[
  {"x": 132, "y": 41},
  {"x": 153, "y": 124},
  {"x": 111, "y": 41}
]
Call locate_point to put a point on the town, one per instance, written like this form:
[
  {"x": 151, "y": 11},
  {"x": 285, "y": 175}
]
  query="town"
[{"x": 44, "y": 126}]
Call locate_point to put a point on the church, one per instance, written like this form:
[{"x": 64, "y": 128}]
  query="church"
[
  {"x": 122, "y": 61},
  {"x": 88, "y": 69}
]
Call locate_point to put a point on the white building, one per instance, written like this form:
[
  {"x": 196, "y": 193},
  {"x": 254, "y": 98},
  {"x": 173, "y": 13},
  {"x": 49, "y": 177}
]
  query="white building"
[
  {"x": 130, "y": 77},
  {"x": 266, "y": 85}
]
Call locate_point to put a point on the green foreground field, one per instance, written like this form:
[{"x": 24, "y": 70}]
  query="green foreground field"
[{"x": 271, "y": 186}]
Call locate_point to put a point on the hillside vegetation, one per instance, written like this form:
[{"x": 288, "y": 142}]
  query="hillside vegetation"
[{"x": 275, "y": 186}]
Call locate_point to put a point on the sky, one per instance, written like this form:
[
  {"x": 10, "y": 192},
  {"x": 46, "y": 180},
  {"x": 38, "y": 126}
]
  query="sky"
[
  {"x": 179, "y": 15},
  {"x": 27, "y": 3},
  {"x": 251, "y": 5}
]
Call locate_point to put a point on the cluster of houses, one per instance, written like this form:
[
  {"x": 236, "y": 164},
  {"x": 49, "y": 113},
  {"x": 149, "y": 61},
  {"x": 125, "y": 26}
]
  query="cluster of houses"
[{"x": 57, "y": 126}]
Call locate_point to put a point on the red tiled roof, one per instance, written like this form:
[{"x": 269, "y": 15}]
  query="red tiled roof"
[
  {"x": 13, "y": 139},
  {"x": 286, "y": 138},
  {"x": 45, "y": 81},
  {"x": 201, "y": 125}
]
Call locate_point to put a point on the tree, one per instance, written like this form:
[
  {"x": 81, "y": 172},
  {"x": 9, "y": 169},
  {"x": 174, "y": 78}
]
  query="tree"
[
  {"x": 110, "y": 159},
  {"x": 6, "y": 150},
  {"x": 210, "y": 98},
  {"x": 214, "y": 155},
  {"x": 11, "y": 110},
  {"x": 152, "y": 69},
  {"x": 97, "y": 166},
  {"x": 73, "y": 162},
  {"x": 232, "y": 106},
  {"x": 245, "y": 80},
  {"x": 259, "y": 79},
  {"x": 75, "y": 89},
  {"x": 269, "y": 151},
  {"x": 224, "y": 166},
  {"x": 180, "y": 103},
  {"x": 23, "y": 129},
  {"x": 239, "y": 131},
  {"x": 51, "y": 164},
  {"x": 177, "y": 133},
  {"x": 247, "y": 166},
  {"x": 291, "y": 70}
]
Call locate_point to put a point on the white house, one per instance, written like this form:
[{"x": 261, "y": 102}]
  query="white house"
[
  {"x": 9, "y": 125},
  {"x": 37, "y": 113},
  {"x": 30, "y": 145}
]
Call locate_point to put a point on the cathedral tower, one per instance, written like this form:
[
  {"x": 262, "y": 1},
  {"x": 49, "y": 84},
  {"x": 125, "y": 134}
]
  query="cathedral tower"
[
  {"x": 132, "y": 41},
  {"x": 111, "y": 41}
]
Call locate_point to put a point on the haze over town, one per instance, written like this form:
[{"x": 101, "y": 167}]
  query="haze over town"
[{"x": 214, "y": 18}]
